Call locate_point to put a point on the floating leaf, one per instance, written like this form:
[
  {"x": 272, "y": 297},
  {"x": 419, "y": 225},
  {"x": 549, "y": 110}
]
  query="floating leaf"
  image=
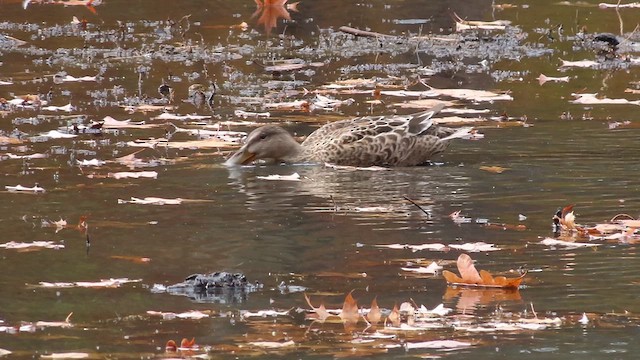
[
  {"x": 471, "y": 277},
  {"x": 110, "y": 123},
  {"x": 592, "y": 99},
  {"x": 68, "y": 355},
  {"x": 321, "y": 312},
  {"x": 394, "y": 316},
  {"x": 159, "y": 201},
  {"x": 467, "y": 269},
  {"x": 542, "y": 79},
  {"x": 433, "y": 269},
  {"x": 580, "y": 63},
  {"x": 272, "y": 344},
  {"x": 134, "y": 175},
  {"x": 109, "y": 283},
  {"x": 374, "y": 315},
  {"x": 19, "y": 188},
  {"x": 247, "y": 114},
  {"x": 292, "y": 177},
  {"x": 187, "y": 344},
  {"x": 185, "y": 315},
  {"x": 35, "y": 244},
  {"x": 566, "y": 244},
  {"x": 350, "y": 312},
  {"x": 438, "y": 344}
]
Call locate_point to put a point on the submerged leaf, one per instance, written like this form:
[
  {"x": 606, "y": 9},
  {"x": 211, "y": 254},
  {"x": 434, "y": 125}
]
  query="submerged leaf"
[{"x": 494, "y": 169}]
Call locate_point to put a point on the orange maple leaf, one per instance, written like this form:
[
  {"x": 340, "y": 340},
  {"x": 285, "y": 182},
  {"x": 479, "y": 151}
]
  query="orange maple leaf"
[
  {"x": 186, "y": 343},
  {"x": 171, "y": 346},
  {"x": 469, "y": 276},
  {"x": 270, "y": 12}
]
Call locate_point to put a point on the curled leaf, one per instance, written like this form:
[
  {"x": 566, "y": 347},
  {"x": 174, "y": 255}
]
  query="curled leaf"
[
  {"x": 471, "y": 277},
  {"x": 374, "y": 315},
  {"x": 349, "y": 312}
]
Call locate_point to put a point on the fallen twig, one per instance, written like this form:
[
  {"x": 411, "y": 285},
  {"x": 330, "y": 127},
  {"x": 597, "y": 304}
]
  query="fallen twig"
[
  {"x": 358, "y": 32},
  {"x": 419, "y": 207}
]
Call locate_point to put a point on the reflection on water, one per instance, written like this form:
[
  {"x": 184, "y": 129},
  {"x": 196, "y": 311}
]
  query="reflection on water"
[
  {"x": 468, "y": 300},
  {"x": 376, "y": 196}
]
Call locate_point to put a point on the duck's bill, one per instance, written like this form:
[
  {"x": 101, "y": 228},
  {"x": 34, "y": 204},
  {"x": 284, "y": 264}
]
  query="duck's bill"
[{"x": 240, "y": 157}]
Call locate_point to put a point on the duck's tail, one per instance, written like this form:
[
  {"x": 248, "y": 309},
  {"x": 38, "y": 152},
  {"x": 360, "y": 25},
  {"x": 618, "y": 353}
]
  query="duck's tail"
[{"x": 421, "y": 122}]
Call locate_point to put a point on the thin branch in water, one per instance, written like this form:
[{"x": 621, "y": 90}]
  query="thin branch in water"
[
  {"x": 533, "y": 311},
  {"x": 620, "y": 19},
  {"x": 418, "y": 206}
]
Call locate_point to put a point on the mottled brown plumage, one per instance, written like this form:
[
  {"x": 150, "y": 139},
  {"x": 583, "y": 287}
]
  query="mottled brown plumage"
[{"x": 397, "y": 140}]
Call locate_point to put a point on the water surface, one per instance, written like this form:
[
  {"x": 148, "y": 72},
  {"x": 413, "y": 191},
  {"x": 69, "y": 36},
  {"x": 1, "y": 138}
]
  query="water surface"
[{"x": 314, "y": 233}]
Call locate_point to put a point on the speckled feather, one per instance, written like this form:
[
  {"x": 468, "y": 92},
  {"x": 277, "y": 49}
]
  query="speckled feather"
[{"x": 400, "y": 140}]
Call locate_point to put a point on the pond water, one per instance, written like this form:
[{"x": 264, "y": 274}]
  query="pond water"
[{"x": 318, "y": 235}]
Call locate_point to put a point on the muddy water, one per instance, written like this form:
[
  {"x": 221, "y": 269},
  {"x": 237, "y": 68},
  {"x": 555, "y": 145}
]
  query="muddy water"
[{"x": 319, "y": 233}]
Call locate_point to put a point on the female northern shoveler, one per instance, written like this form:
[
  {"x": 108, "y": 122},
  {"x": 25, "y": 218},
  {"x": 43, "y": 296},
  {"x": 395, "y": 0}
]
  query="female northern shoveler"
[{"x": 397, "y": 140}]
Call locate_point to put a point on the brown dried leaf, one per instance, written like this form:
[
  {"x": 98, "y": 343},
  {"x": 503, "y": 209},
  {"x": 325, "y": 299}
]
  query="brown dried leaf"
[
  {"x": 567, "y": 209},
  {"x": 186, "y": 343},
  {"x": 467, "y": 270},
  {"x": 321, "y": 313},
  {"x": 171, "y": 346},
  {"x": 349, "y": 312},
  {"x": 451, "y": 277},
  {"x": 394, "y": 316},
  {"x": 471, "y": 277},
  {"x": 487, "y": 278},
  {"x": 270, "y": 12},
  {"x": 374, "y": 314},
  {"x": 9, "y": 140}
]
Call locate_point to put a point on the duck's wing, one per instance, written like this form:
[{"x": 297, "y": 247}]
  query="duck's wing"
[
  {"x": 326, "y": 131},
  {"x": 371, "y": 140},
  {"x": 362, "y": 141}
]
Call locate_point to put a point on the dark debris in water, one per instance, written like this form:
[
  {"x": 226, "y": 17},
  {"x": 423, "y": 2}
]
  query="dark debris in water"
[{"x": 217, "y": 287}]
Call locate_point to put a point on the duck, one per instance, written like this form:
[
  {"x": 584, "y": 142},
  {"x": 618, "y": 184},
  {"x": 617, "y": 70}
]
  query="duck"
[{"x": 394, "y": 140}]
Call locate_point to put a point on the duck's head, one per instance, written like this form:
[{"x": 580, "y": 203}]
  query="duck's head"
[{"x": 269, "y": 142}]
